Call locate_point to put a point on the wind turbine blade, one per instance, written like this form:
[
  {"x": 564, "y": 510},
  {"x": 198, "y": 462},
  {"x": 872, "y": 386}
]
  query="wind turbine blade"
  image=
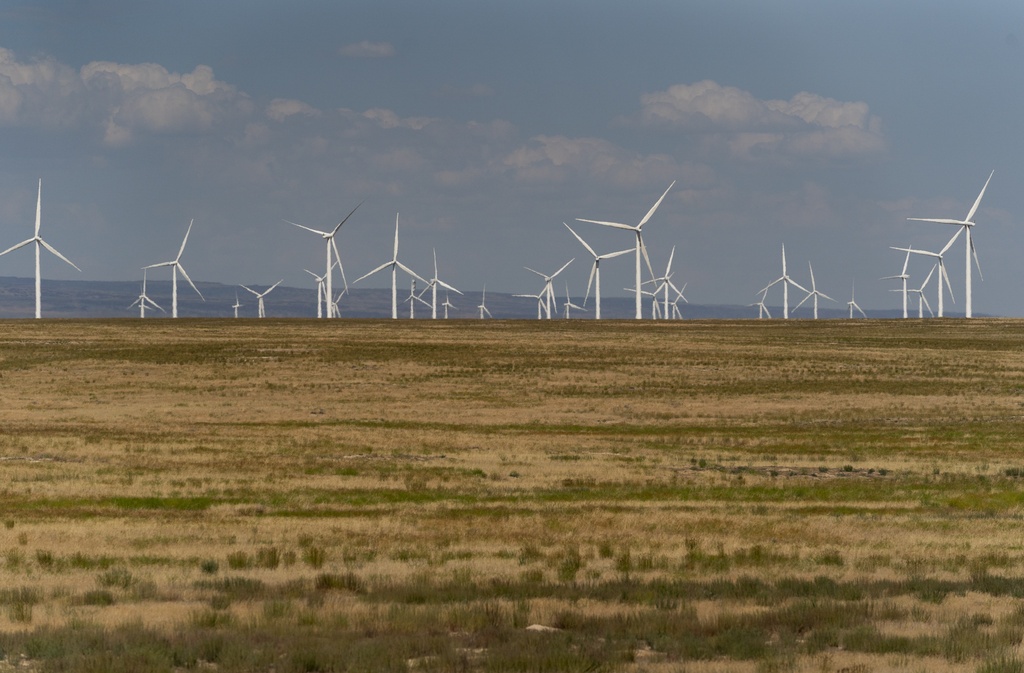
[
  {"x": 945, "y": 276},
  {"x": 273, "y": 286},
  {"x": 643, "y": 249},
  {"x": 39, "y": 206},
  {"x": 563, "y": 267},
  {"x": 446, "y": 286},
  {"x": 337, "y": 258},
  {"x": 185, "y": 274},
  {"x": 589, "y": 249},
  {"x": 905, "y": 263},
  {"x": 939, "y": 220},
  {"x": 977, "y": 202},
  {"x": 927, "y": 278},
  {"x": 797, "y": 285},
  {"x": 825, "y": 296},
  {"x": 250, "y": 290},
  {"x": 154, "y": 304},
  {"x": 184, "y": 241},
  {"x": 346, "y": 219},
  {"x": 318, "y": 278},
  {"x": 379, "y": 268},
  {"x": 15, "y": 247},
  {"x": 616, "y": 254},
  {"x": 395, "y": 257},
  {"x": 617, "y": 225},
  {"x": 927, "y": 306},
  {"x": 813, "y": 286},
  {"x": 593, "y": 270},
  {"x": 302, "y": 226},
  {"x": 974, "y": 252},
  {"x": 769, "y": 285},
  {"x": 951, "y": 241},
  {"x": 54, "y": 251},
  {"x": 151, "y": 266},
  {"x": 668, "y": 266},
  {"x": 409, "y": 271},
  {"x": 655, "y": 206},
  {"x": 803, "y": 300},
  {"x": 535, "y": 271}
]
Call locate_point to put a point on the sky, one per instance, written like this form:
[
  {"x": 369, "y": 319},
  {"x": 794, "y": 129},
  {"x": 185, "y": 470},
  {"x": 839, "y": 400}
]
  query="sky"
[{"x": 483, "y": 127}]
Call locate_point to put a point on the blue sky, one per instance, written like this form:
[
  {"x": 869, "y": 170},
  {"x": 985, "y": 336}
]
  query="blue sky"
[{"x": 817, "y": 125}]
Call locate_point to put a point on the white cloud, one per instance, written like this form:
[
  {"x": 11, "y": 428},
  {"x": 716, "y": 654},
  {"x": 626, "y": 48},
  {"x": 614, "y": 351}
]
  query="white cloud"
[
  {"x": 806, "y": 125},
  {"x": 390, "y": 120},
  {"x": 558, "y": 158},
  {"x": 280, "y": 109},
  {"x": 367, "y": 49}
]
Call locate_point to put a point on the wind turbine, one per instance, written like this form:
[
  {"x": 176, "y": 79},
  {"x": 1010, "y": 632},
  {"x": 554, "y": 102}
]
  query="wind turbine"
[
  {"x": 922, "y": 301},
  {"x": 786, "y": 282},
  {"x": 640, "y": 249},
  {"x": 943, "y": 276},
  {"x": 540, "y": 302},
  {"x": 483, "y": 305},
  {"x": 549, "y": 290},
  {"x": 676, "y": 313},
  {"x": 38, "y": 240},
  {"x": 176, "y": 266},
  {"x": 331, "y": 246},
  {"x": 433, "y": 283},
  {"x": 813, "y": 293},
  {"x": 413, "y": 298},
  {"x": 320, "y": 294},
  {"x": 666, "y": 282},
  {"x": 762, "y": 310},
  {"x": 568, "y": 303},
  {"x": 595, "y": 272},
  {"x": 447, "y": 304},
  {"x": 261, "y": 295},
  {"x": 965, "y": 225},
  {"x": 144, "y": 299},
  {"x": 853, "y": 301},
  {"x": 236, "y": 305},
  {"x": 903, "y": 277},
  {"x": 395, "y": 265}
]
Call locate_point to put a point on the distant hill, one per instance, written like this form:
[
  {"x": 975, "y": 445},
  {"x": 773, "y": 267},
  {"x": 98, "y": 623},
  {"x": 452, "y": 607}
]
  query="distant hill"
[{"x": 110, "y": 299}]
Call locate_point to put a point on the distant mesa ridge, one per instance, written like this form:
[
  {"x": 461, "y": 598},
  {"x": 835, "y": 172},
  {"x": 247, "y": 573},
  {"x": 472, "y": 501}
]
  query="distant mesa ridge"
[{"x": 111, "y": 299}]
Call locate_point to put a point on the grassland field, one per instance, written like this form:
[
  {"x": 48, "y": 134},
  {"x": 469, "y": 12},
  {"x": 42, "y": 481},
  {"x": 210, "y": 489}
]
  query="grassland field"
[{"x": 299, "y": 495}]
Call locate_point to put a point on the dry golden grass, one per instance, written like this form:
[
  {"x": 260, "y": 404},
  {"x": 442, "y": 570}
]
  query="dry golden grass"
[{"x": 139, "y": 458}]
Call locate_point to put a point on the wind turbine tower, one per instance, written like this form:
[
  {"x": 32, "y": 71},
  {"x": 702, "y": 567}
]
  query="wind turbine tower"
[{"x": 38, "y": 240}]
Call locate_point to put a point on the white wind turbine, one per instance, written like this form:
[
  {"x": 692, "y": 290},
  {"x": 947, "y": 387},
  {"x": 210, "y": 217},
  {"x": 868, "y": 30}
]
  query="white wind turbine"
[
  {"x": 540, "y": 302},
  {"x": 568, "y": 303},
  {"x": 549, "y": 291},
  {"x": 447, "y": 304},
  {"x": 331, "y": 246},
  {"x": 395, "y": 265},
  {"x": 334, "y": 303},
  {"x": 676, "y": 313},
  {"x": 762, "y": 309},
  {"x": 176, "y": 266},
  {"x": 965, "y": 225},
  {"x": 432, "y": 286},
  {"x": 922, "y": 301},
  {"x": 903, "y": 277},
  {"x": 640, "y": 249},
  {"x": 786, "y": 282},
  {"x": 413, "y": 298},
  {"x": 144, "y": 299},
  {"x": 237, "y": 305},
  {"x": 321, "y": 294},
  {"x": 261, "y": 295},
  {"x": 853, "y": 301},
  {"x": 665, "y": 284},
  {"x": 483, "y": 305},
  {"x": 943, "y": 276},
  {"x": 813, "y": 293},
  {"x": 595, "y": 272},
  {"x": 38, "y": 240}
]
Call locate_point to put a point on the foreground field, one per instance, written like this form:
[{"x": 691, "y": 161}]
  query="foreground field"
[{"x": 512, "y": 496}]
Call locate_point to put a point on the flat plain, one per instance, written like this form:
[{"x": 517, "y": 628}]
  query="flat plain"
[{"x": 300, "y": 495}]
